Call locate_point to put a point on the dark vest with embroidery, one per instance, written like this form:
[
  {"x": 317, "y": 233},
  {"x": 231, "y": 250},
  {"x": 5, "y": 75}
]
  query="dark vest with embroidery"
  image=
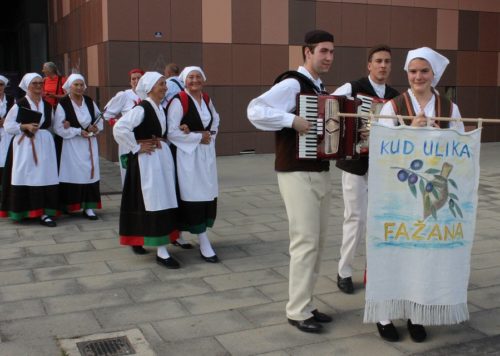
[
  {"x": 443, "y": 107},
  {"x": 192, "y": 118},
  {"x": 10, "y": 102},
  {"x": 150, "y": 126},
  {"x": 286, "y": 138},
  {"x": 71, "y": 114},
  {"x": 47, "y": 112},
  {"x": 363, "y": 86}
]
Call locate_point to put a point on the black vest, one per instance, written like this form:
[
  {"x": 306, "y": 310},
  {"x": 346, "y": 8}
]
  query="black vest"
[
  {"x": 363, "y": 86},
  {"x": 71, "y": 114},
  {"x": 286, "y": 139},
  {"x": 150, "y": 126},
  {"x": 192, "y": 118},
  {"x": 10, "y": 102},
  {"x": 47, "y": 112}
]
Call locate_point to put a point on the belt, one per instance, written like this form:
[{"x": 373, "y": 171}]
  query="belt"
[
  {"x": 32, "y": 140},
  {"x": 155, "y": 141}
]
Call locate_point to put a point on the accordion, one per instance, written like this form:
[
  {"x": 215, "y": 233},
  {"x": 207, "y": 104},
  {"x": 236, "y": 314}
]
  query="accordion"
[
  {"x": 368, "y": 105},
  {"x": 331, "y": 136}
]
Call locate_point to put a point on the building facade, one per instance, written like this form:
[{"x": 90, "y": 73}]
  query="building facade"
[{"x": 244, "y": 44}]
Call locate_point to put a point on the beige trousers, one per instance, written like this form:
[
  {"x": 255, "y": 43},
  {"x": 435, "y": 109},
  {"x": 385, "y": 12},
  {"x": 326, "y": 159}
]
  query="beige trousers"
[{"x": 307, "y": 201}]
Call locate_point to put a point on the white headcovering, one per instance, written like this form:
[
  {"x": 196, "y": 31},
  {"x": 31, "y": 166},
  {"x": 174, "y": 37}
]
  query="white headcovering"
[
  {"x": 28, "y": 77},
  {"x": 4, "y": 80},
  {"x": 71, "y": 79},
  {"x": 146, "y": 83},
  {"x": 185, "y": 72},
  {"x": 437, "y": 61}
]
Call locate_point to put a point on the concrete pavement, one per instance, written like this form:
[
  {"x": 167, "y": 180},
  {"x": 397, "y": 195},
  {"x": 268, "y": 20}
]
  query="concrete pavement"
[{"x": 75, "y": 280}]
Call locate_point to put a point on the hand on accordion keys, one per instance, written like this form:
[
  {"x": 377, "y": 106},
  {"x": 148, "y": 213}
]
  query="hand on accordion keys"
[{"x": 301, "y": 125}]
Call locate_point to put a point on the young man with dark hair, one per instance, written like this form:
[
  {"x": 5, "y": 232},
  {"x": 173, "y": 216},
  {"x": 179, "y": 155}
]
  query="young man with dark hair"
[
  {"x": 355, "y": 172},
  {"x": 304, "y": 184}
]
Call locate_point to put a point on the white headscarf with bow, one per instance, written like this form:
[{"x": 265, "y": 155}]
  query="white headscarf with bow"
[
  {"x": 437, "y": 61},
  {"x": 25, "y": 82},
  {"x": 185, "y": 72},
  {"x": 4, "y": 80},
  {"x": 71, "y": 79},
  {"x": 146, "y": 83}
]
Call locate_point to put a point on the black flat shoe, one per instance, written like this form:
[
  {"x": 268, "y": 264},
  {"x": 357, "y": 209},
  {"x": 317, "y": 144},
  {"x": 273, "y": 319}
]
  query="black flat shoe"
[
  {"x": 186, "y": 246},
  {"x": 417, "y": 331},
  {"x": 309, "y": 325},
  {"x": 90, "y": 217},
  {"x": 139, "y": 250},
  {"x": 345, "y": 284},
  {"x": 169, "y": 263},
  {"x": 212, "y": 259},
  {"x": 47, "y": 221},
  {"x": 388, "y": 332},
  {"x": 321, "y": 317}
]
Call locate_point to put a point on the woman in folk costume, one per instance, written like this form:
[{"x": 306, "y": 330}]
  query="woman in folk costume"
[
  {"x": 119, "y": 105},
  {"x": 195, "y": 158},
  {"x": 148, "y": 210},
  {"x": 75, "y": 123},
  {"x": 31, "y": 184},
  {"x": 6, "y": 103},
  {"x": 424, "y": 68}
]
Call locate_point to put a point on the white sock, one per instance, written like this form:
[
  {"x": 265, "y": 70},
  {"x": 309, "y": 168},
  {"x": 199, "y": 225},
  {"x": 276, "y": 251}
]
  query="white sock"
[
  {"x": 89, "y": 212},
  {"x": 385, "y": 322},
  {"x": 45, "y": 217},
  {"x": 205, "y": 246},
  {"x": 181, "y": 239},
  {"x": 162, "y": 252}
]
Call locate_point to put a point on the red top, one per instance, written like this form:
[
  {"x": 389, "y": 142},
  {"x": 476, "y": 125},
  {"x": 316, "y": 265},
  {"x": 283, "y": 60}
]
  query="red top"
[{"x": 50, "y": 86}]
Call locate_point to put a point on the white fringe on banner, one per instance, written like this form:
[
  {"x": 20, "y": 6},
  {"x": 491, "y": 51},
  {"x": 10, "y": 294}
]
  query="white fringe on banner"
[{"x": 418, "y": 313}]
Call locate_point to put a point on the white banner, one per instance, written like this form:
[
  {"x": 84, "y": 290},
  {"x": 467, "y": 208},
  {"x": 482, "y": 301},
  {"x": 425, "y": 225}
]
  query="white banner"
[{"x": 422, "y": 201}]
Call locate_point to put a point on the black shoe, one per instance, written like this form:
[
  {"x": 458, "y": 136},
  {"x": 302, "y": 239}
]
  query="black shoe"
[
  {"x": 321, "y": 317},
  {"x": 417, "y": 331},
  {"x": 187, "y": 246},
  {"x": 212, "y": 259},
  {"x": 90, "y": 217},
  {"x": 170, "y": 263},
  {"x": 309, "y": 325},
  {"x": 388, "y": 332},
  {"x": 139, "y": 250},
  {"x": 47, "y": 221},
  {"x": 345, "y": 284}
]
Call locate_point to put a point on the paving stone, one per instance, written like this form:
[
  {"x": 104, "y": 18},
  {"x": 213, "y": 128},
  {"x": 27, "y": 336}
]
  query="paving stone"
[
  {"x": 347, "y": 325},
  {"x": 486, "y": 321},
  {"x": 357, "y": 345},
  {"x": 265, "y": 339},
  {"x": 112, "y": 317},
  {"x": 487, "y": 297},
  {"x": 71, "y": 271},
  {"x": 117, "y": 280},
  {"x": 243, "y": 279},
  {"x": 86, "y": 301},
  {"x": 342, "y": 302},
  {"x": 87, "y": 235},
  {"x": 259, "y": 211},
  {"x": 486, "y": 260},
  {"x": 150, "y": 333},
  {"x": 36, "y": 230},
  {"x": 27, "y": 241},
  {"x": 59, "y": 248},
  {"x": 9, "y": 233},
  {"x": 98, "y": 255},
  {"x": 280, "y": 225},
  {"x": 257, "y": 262},
  {"x": 96, "y": 226},
  {"x": 193, "y": 327},
  {"x": 32, "y": 262},
  {"x": 15, "y": 277},
  {"x": 485, "y": 277},
  {"x": 13, "y": 252},
  {"x": 191, "y": 271},
  {"x": 102, "y": 244},
  {"x": 22, "y": 309},
  {"x": 267, "y": 248},
  {"x": 235, "y": 230},
  {"x": 204, "y": 346},
  {"x": 30, "y": 347},
  {"x": 166, "y": 290},
  {"x": 226, "y": 300},
  {"x": 485, "y": 346},
  {"x": 60, "y": 326},
  {"x": 38, "y": 290},
  {"x": 255, "y": 219},
  {"x": 274, "y": 235}
]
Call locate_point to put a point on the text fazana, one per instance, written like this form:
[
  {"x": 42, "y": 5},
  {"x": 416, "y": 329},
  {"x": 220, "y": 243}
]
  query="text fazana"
[
  {"x": 420, "y": 231},
  {"x": 429, "y": 148}
]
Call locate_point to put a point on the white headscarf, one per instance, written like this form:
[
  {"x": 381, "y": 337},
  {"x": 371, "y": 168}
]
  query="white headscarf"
[
  {"x": 4, "y": 80},
  {"x": 146, "y": 83},
  {"x": 28, "y": 77},
  {"x": 437, "y": 61},
  {"x": 185, "y": 72},
  {"x": 70, "y": 81}
]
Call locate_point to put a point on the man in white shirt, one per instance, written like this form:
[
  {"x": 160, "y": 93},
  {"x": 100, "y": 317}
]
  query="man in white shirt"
[{"x": 174, "y": 83}]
